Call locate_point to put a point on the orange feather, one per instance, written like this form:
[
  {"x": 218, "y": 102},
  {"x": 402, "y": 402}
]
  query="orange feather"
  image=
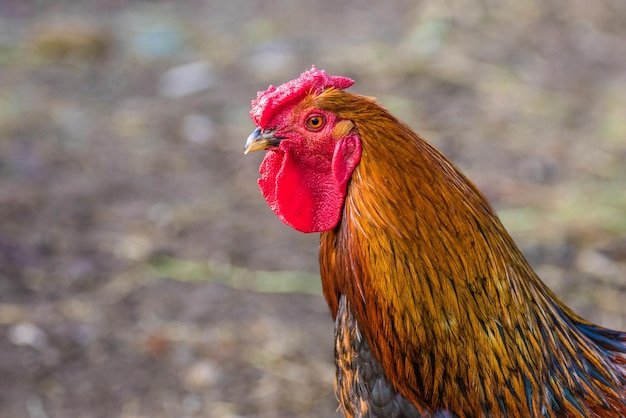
[{"x": 451, "y": 309}]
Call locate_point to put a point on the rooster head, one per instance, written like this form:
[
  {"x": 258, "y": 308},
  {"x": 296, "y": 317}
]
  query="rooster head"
[{"x": 311, "y": 151}]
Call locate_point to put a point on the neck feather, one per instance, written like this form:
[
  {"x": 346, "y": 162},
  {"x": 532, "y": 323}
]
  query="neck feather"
[{"x": 434, "y": 278}]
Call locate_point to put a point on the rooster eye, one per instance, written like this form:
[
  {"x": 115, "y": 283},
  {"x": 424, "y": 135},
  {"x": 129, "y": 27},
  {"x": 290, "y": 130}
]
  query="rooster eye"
[{"x": 315, "y": 122}]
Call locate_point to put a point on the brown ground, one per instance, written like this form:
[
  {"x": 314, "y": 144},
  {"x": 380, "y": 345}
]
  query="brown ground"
[{"x": 120, "y": 178}]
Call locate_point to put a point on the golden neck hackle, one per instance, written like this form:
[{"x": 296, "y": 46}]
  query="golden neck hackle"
[{"x": 449, "y": 305}]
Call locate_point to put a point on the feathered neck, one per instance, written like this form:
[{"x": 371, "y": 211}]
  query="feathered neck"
[{"x": 447, "y": 302}]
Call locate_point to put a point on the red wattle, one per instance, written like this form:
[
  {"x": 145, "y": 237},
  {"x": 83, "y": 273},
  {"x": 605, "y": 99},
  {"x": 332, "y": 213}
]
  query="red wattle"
[{"x": 305, "y": 191}]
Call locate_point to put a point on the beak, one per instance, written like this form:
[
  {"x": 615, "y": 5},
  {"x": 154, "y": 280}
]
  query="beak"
[{"x": 262, "y": 139}]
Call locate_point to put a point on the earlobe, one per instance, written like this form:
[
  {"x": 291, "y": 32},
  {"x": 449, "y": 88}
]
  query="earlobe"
[{"x": 346, "y": 157}]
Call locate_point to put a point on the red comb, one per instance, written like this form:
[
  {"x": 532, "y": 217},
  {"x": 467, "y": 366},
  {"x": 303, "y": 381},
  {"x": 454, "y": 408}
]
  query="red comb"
[{"x": 313, "y": 80}]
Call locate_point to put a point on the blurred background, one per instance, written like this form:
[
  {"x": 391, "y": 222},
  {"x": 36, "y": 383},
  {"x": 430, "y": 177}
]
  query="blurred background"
[{"x": 141, "y": 272}]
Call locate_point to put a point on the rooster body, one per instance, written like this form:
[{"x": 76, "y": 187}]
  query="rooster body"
[{"x": 438, "y": 314}]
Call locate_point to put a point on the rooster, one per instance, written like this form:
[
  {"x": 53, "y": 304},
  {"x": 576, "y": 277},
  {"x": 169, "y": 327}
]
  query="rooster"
[{"x": 437, "y": 313}]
